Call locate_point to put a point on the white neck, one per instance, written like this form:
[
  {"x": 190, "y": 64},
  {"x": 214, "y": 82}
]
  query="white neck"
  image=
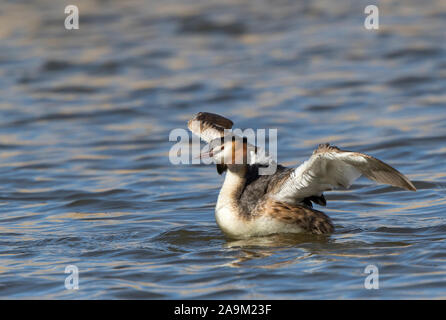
[{"x": 232, "y": 188}]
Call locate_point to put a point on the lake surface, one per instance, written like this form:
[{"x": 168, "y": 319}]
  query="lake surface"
[{"x": 85, "y": 117}]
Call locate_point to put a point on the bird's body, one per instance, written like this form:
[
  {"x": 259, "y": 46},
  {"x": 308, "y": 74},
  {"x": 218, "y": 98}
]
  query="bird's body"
[{"x": 250, "y": 204}]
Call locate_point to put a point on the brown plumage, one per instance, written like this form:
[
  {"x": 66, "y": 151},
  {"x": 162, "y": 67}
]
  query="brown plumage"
[{"x": 310, "y": 220}]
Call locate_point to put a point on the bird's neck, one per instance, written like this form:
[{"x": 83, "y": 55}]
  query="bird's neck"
[{"x": 233, "y": 187}]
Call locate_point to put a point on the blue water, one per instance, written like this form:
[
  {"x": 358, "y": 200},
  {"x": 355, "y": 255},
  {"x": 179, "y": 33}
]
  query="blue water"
[{"x": 85, "y": 117}]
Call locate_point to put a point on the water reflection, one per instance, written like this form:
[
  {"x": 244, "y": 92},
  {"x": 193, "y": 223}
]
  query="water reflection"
[{"x": 265, "y": 248}]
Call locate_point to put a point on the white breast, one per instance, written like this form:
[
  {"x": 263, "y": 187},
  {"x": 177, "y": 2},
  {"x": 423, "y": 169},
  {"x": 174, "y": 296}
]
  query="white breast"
[{"x": 234, "y": 224}]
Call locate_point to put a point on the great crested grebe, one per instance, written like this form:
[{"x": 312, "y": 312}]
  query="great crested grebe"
[{"x": 252, "y": 205}]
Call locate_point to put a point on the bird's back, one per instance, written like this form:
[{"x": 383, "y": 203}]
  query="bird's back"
[{"x": 258, "y": 187}]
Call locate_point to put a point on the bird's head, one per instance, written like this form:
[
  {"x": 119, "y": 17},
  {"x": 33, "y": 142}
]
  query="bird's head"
[{"x": 229, "y": 150}]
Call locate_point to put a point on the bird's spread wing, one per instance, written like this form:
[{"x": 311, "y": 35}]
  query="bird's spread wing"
[
  {"x": 209, "y": 126},
  {"x": 331, "y": 168}
]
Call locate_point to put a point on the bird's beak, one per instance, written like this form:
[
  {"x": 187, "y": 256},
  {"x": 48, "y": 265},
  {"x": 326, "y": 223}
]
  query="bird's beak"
[{"x": 205, "y": 155}]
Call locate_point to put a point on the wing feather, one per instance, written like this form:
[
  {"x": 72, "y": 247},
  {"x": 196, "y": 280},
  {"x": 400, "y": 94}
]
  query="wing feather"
[
  {"x": 331, "y": 168},
  {"x": 209, "y": 126}
]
